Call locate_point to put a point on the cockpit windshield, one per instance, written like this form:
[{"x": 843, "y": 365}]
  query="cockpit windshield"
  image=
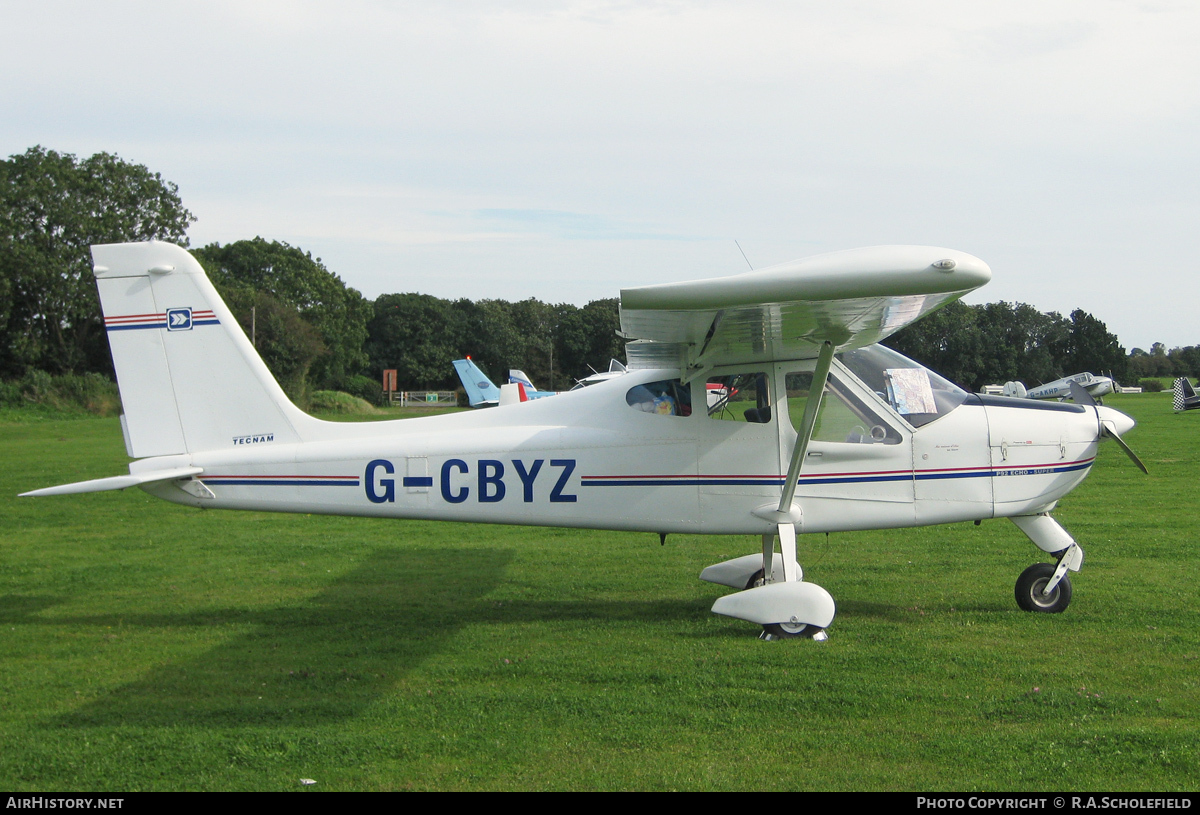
[{"x": 915, "y": 392}]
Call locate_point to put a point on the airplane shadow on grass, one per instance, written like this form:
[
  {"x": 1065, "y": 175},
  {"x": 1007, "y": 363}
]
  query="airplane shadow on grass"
[
  {"x": 321, "y": 659},
  {"x": 328, "y": 658}
]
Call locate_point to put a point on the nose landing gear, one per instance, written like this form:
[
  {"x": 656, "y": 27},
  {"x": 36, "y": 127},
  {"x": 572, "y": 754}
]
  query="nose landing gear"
[
  {"x": 1045, "y": 587},
  {"x": 1031, "y": 590}
]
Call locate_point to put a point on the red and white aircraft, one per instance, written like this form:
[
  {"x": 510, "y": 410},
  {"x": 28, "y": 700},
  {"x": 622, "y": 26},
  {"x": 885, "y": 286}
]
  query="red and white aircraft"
[{"x": 823, "y": 429}]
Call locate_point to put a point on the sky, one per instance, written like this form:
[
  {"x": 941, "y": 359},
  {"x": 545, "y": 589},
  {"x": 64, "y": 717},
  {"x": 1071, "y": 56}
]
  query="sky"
[{"x": 564, "y": 150}]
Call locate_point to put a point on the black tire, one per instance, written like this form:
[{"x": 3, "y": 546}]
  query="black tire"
[
  {"x": 755, "y": 580},
  {"x": 1030, "y": 585},
  {"x": 791, "y": 631}
]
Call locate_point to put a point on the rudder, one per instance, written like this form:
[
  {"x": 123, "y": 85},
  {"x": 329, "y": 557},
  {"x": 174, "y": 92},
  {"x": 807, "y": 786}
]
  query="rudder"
[
  {"x": 479, "y": 388},
  {"x": 189, "y": 378},
  {"x": 1182, "y": 391}
]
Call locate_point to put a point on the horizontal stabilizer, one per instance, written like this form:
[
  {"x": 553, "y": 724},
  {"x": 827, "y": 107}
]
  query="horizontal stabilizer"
[{"x": 117, "y": 482}]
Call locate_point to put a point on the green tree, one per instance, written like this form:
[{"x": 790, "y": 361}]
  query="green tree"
[
  {"x": 498, "y": 344},
  {"x": 1090, "y": 347},
  {"x": 587, "y": 338},
  {"x": 998, "y": 342},
  {"x": 1022, "y": 343},
  {"x": 1155, "y": 363},
  {"x": 294, "y": 279},
  {"x": 950, "y": 341},
  {"x": 52, "y": 208},
  {"x": 1185, "y": 361},
  {"x": 419, "y": 335},
  {"x": 287, "y": 343},
  {"x": 407, "y": 332},
  {"x": 537, "y": 324}
]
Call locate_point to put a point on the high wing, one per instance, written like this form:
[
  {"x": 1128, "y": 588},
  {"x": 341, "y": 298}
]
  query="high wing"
[
  {"x": 850, "y": 299},
  {"x": 811, "y": 308}
]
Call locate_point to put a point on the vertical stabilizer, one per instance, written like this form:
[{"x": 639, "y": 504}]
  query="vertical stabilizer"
[
  {"x": 480, "y": 390},
  {"x": 1184, "y": 397},
  {"x": 520, "y": 378},
  {"x": 190, "y": 380}
]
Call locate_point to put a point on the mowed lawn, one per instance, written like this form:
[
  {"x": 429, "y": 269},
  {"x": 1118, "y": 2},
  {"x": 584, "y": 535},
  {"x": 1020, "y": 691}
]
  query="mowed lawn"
[{"x": 147, "y": 646}]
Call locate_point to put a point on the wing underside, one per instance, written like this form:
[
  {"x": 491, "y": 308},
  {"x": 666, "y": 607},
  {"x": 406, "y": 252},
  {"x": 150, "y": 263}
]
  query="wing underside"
[{"x": 850, "y": 299}]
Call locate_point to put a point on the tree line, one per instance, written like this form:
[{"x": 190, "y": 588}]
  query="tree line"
[
  {"x": 316, "y": 333},
  {"x": 313, "y": 331},
  {"x": 1158, "y": 361},
  {"x": 999, "y": 342}
]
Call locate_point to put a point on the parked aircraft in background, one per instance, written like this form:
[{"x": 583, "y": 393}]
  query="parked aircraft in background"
[
  {"x": 1185, "y": 397},
  {"x": 831, "y": 432},
  {"x": 615, "y": 368},
  {"x": 1060, "y": 389},
  {"x": 528, "y": 391},
  {"x": 481, "y": 392}
]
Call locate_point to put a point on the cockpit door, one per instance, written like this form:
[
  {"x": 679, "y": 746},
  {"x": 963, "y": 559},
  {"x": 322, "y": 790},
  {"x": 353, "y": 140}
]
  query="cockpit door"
[
  {"x": 738, "y": 444},
  {"x": 859, "y": 456}
]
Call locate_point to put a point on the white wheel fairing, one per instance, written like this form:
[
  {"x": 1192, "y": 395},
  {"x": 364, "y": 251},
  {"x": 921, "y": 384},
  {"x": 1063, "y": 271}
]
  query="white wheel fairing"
[{"x": 791, "y": 603}]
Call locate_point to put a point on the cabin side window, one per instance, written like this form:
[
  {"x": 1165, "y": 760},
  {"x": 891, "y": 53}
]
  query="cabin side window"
[
  {"x": 742, "y": 397},
  {"x": 843, "y": 417},
  {"x": 666, "y": 397}
]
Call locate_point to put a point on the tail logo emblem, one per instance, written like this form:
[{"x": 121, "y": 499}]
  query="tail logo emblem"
[{"x": 179, "y": 319}]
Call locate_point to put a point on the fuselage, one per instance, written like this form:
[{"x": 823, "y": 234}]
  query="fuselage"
[
  {"x": 1097, "y": 386},
  {"x": 608, "y": 457}
]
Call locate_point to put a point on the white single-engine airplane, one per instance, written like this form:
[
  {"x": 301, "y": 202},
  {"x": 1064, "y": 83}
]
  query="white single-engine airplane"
[
  {"x": 820, "y": 430},
  {"x": 1060, "y": 389}
]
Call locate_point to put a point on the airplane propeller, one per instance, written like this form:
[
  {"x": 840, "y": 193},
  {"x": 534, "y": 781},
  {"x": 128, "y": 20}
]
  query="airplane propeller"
[
  {"x": 1108, "y": 422},
  {"x": 1108, "y": 429}
]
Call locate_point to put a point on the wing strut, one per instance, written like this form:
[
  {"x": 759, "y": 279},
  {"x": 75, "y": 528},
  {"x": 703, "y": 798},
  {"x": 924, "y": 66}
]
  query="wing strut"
[
  {"x": 787, "y": 529},
  {"x": 815, "y": 394}
]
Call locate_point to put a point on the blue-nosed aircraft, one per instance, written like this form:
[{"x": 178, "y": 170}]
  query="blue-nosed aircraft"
[{"x": 816, "y": 427}]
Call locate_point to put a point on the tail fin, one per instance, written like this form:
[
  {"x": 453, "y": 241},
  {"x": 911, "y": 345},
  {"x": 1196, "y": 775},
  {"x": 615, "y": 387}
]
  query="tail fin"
[
  {"x": 480, "y": 390},
  {"x": 1182, "y": 392},
  {"x": 189, "y": 378},
  {"x": 1016, "y": 389},
  {"x": 519, "y": 377}
]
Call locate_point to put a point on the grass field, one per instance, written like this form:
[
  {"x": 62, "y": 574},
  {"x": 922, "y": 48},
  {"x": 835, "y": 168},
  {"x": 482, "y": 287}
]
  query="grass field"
[{"x": 146, "y": 646}]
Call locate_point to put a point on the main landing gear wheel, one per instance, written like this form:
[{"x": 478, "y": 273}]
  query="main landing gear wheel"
[
  {"x": 1030, "y": 585},
  {"x": 791, "y": 631}
]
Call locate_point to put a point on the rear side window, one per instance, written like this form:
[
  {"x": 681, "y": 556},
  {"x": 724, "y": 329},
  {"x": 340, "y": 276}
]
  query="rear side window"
[
  {"x": 667, "y": 397},
  {"x": 739, "y": 397}
]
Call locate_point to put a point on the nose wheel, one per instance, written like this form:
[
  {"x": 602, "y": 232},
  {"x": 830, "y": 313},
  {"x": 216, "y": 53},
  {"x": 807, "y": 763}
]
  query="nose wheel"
[{"x": 1031, "y": 594}]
